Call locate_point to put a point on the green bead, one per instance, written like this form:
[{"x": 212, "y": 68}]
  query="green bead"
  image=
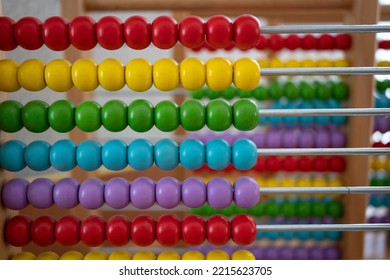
[
  {"x": 334, "y": 209},
  {"x": 323, "y": 91},
  {"x": 88, "y": 116},
  {"x": 11, "y": 116},
  {"x": 61, "y": 116},
  {"x": 260, "y": 93},
  {"x": 307, "y": 91},
  {"x": 303, "y": 209},
  {"x": 229, "y": 93},
  {"x": 228, "y": 211},
  {"x": 140, "y": 115},
  {"x": 288, "y": 209},
  {"x": 34, "y": 116},
  {"x": 114, "y": 115},
  {"x": 212, "y": 94},
  {"x": 197, "y": 94},
  {"x": 245, "y": 114},
  {"x": 382, "y": 86},
  {"x": 319, "y": 209},
  {"x": 340, "y": 91},
  {"x": 291, "y": 91},
  {"x": 166, "y": 116},
  {"x": 258, "y": 210},
  {"x": 272, "y": 209},
  {"x": 219, "y": 115},
  {"x": 275, "y": 90},
  {"x": 244, "y": 94},
  {"x": 192, "y": 115}
]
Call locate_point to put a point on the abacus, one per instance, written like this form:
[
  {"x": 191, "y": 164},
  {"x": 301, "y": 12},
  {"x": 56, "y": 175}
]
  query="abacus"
[{"x": 145, "y": 173}]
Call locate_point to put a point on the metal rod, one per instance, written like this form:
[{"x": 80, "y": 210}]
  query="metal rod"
[
  {"x": 327, "y": 190},
  {"x": 324, "y": 227},
  {"x": 326, "y": 112},
  {"x": 324, "y": 151},
  {"x": 286, "y": 29},
  {"x": 326, "y": 71}
]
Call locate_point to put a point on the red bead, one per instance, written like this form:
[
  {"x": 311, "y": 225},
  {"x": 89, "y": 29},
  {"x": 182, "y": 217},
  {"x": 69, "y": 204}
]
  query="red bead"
[
  {"x": 143, "y": 230},
  {"x": 118, "y": 230},
  {"x": 218, "y": 230},
  {"x": 82, "y": 33},
  {"x": 42, "y": 231},
  {"x": 308, "y": 42},
  {"x": 164, "y": 32},
  {"x": 229, "y": 47},
  {"x": 260, "y": 165},
  {"x": 384, "y": 44},
  {"x": 137, "y": 32},
  {"x": 168, "y": 230},
  {"x": 320, "y": 164},
  {"x": 243, "y": 229},
  {"x": 208, "y": 47},
  {"x": 192, "y": 32},
  {"x": 55, "y": 33},
  {"x": 336, "y": 164},
  {"x": 7, "y": 42},
  {"x": 325, "y": 42},
  {"x": 263, "y": 43},
  {"x": 219, "y": 31},
  {"x": 193, "y": 230},
  {"x": 109, "y": 32},
  {"x": 305, "y": 164},
  {"x": 246, "y": 32},
  {"x": 378, "y": 144},
  {"x": 28, "y": 33},
  {"x": 275, "y": 42},
  {"x": 289, "y": 164},
  {"x": 92, "y": 231},
  {"x": 17, "y": 231},
  {"x": 67, "y": 230},
  {"x": 273, "y": 164},
  {"x": 292, "y": 42},
  {"x": 343, "y": 42}
]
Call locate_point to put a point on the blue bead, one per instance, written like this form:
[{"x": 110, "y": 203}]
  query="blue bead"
[
  {"x": 275, "y": 120},
  {"x": 89, "y": 155},
  {"x": 114, "y": 155},
  {"x": 287, "y": 235},
  {"x": 218, "y": 154},
  {"x": 318, "y": 235},
  {"x": 244, "y": 154},
  {"x": 140, "y": 154},
  {"x": 306, "y": 120},
  {"x": 260, "y": 235},
  {"x": 63, "y": 155},
  {"x": 302, "y": 235},
  {"x": 336, "y": 120},
  {"x": 192, "y": 154},
  {"x": 37, "y": 155},
  {"x": 333, "y": 235},
  {"x": 273, "y": 235},
  {"x": 166, "y": 154},
  {"x": 12, "y": 155},
  {"x": 321, "y": 120}
]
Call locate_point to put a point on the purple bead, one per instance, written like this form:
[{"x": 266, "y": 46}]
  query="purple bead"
[
  {"x": 307, "y": 139},
  {"x": 258, "y": 139},
  {"x": 332, "y": 253},
  {"x": 142, "y": 193},
  {"x": 273, "y": 139},
  {"x": 193, "y": 192},
  {"x": 271, "y": 253},
  {"x": 328, "y": 220},
  {"x": 91, "y": 193},
  {"x": 40, "y": 193},
  {"x": 168, "y": 194},
  {"x": 316, "y": 253},
  {"x": 290, "y": 138},
  {"x": 258, "y": 252},
  {"x": 66, "y": 193},
  {"x": 14, "y": 194},
  {"x": 246, "y": 192},
  {"x": 301, "y": 253},
  {"x": 381, "y": 123},
  {"x": 322, "y": 138},
  {"x": 374, "y": 220},
  {"x": 219, "y": 193},
  {"x": 286, "y": 253},
  {"x": 337, "y": 139},
  {"x": 117, "y": 193}
]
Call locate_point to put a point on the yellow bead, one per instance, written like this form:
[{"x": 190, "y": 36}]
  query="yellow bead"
[
  {"x": 24, "y": 256},
  {"x": 168, "y": 255},
  {"x": 8, "y": 74},
  {"x": 304, "y": 182},
  {"x": 96, "y": 256},
  {"x": 219, "y": 73},
  {"x": 293, "y": 63},
  {"x": 243, "y": 255},
  {"x": 341, "y": 63},
  {"x": 58, "y": 75},
  {"x": 119, "y": 255},
  {"x": 48, "y": 256},
  {"x": 111, "y": 74},
  {"x": 263, "y": 63},
  {"x": 377, "y": 164},
  {"x": 288, "y": 182},
  {"x": 72, "y": 256},
  {"x": 84, "y": 74},
  {"x": 31, "y": 75},
  {"x": 275, "y": 62},
  {"x": 387, "y": 164},
  {"x": 166, "y": 74},
  {"x": 246, "y": 74},
  {"x": 324, "y": 63},
  {"x": 192, "y": 73},
  {"x": 308, "y": 63},
  {"x": 335, "y": 182},
  {"x": 144, "y": 255},
  {"x": 272, "y": 182},
  {"x": 217, "y": 255},
  {"x": 139, "y": 75},
  {"x": 383, "y": 63},
  {"x": 193, "y": 255}
]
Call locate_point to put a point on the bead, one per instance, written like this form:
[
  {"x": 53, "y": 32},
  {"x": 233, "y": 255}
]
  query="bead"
[
  {"x": 193, "y": 192},
  {"x": 61, "y": 116},
  {"x": 12, "y": 155},
  {"x": 219, "y": 193},
  {"x": 192, "y": 154},
  {"x": 48, "y": 256},
  {"x": 243, "y": 255},
  {"x": 245, "y": 114},
  {"x": 114, "y": 115},
  {"x": 117, "y": 193},
  {"x": 120, "y": 255},
  {"x": 192, "y": 115},
  {"x": 218, "y": 230},
  {"x": 31, "y": 75},
  {"x": 71, "y": 255},
  {"x": 11, "y": 116},
  {"x": 192, "y": 32},
  {"x": 35, "y": 116},
  {"x": 246, "y": 74},
  {"x": 192, "y": 73},
  {"x": 142, "y": 193},
  {"x": 92, "y": 231},
  {"x": 118, "y": 230},
  {"x": 63, "y": 155},
  {"x": 139, "y": 74},
  {"x": 84, "y": 74},
  {"x": 42, "y": 231},
  {"x": 137, "y": 32},
  {"x": 40, "y": 193},
  {"x": 218, "y": 154},
  {"x": 340, "y": 91},
  {"x": 55, "y": 33},
  {"x": 275, "y": 42},
  {"x": 14, "y": 194},
  {"x": 144, "y": 255},
  {"x": 143, "y": 231},
  {"x": 168, "y": 255},
  {"x": 325, "y": 42},
  {"x": 166, "y": 74},
  {"x": 66, "y": 193},
  {"x": 114, "y": 155},
  {"x": 37, "y": 155},
  {"x": 58, "y": 75},
  {"x": 243, "y": 229},
  {"x": 8, "y": 72},
  {"x": 219, "y": 115},
  {"x": 140, "y": 154},
  {"x": 17, "y": 231},
  {"x": 246, "y": 192},
  {"x": 82, "y": 33},
  {"x": 193, "y": 255},
  {"x": 343, "y": 42},
  {"x": 219, "y": 31},
  {"x": 25, "y": 256},
  {"x": 168, "y": 230},
  {"x": 168, "y": 192},
  {"x": 109, "y": 32},
  {"x": 7, "y": 42},
  {"x": 246, "y": 32},
  {"x": 111, "y": 74},
  {"x": 91, "y": 193},
  {"x": 95, "y": 256},
  {"x": 89, "y": 155},
  {"x": 219, "y": 73},
  {"x": 140, "y": 115},
  {"x": 308, "y": 42},
  {"x": 28, "y": 33},
  {"x": 215, "y": 255},
  {"x": 193, "y": 230},
  {"x": 88, "y": 116},
  {"x": 292, "y": 42},
  {"x": 166, "y": 154},
  {"x": 67, "y": 230},
  {"x": 244, "y": 154},
  {"x": 164, "y": 32}
]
